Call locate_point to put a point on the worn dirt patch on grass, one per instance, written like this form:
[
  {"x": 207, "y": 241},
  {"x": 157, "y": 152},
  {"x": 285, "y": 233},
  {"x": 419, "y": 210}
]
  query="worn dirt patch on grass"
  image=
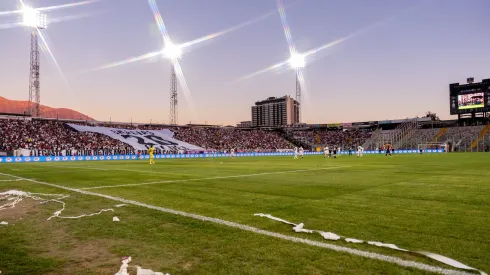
[{"x": 22, "y": 209}]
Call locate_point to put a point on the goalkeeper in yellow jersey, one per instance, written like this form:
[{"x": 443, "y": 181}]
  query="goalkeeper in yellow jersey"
[{"x": 151, "y": 151}]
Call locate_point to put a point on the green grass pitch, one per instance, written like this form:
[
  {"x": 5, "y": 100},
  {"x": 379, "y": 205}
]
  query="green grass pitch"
[{"x": 434, "y": 202}]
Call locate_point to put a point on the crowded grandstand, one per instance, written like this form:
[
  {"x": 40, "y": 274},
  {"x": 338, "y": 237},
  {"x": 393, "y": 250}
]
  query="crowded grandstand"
[{"x": 45, "y": 137}]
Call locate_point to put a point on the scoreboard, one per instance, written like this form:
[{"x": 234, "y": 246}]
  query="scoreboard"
[{"x": 469, "y": 98}]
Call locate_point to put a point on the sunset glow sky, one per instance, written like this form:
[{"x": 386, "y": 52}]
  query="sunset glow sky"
[{"x": 398, "y": 60}]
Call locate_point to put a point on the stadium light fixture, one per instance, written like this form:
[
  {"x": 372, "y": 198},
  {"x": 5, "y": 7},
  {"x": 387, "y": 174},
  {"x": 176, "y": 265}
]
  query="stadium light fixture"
[
  {"x": 172, "y": 51},
  {"x": 33, "y": 18},
  {"x": 297, "y": 61}
]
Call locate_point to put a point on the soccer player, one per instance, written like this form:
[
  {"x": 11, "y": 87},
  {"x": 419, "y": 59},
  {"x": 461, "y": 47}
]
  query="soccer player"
[
  {"x": 301, "y": 152},
  {"x": 295, "y": 152},
  {"x": 360, "y": 151},
  {"x": 326, "y": 152},
  {"x": 388, "y": 149},
  {"x": 151, "y": 151},
  {"x": 232, "y": 153},
  {"x": 335, "y": 148}
]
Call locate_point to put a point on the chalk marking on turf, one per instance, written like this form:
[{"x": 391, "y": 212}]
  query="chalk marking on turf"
[
  {"x": 75, "y": 167},
  {"x": 10, "y": 180},
  {"x": 352, "y": 251},
  {"x": 111, "y": 169},
  {"x": 213, "y": 178}
]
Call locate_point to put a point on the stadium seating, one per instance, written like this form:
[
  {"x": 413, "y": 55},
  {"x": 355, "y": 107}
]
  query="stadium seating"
[
  {"x": 419, "y": 137},
  {"x": 45, "y": 138},
  {"x": 52, "y": 138},
  {"x": 461, "y": 137},
  {"x": 213, "y": 138},
  {"x": 333, "y": 138},
  {"x": 48, "y": 137}
]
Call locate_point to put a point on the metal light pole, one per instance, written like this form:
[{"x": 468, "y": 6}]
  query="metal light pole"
[
  {"x": 37, "y": 21},
  {"x": 173, "y": 52},
  {"x": 174, "y": 112},
  {"x": 297, "y": 62},
  {"x": 298, "y": 94}
]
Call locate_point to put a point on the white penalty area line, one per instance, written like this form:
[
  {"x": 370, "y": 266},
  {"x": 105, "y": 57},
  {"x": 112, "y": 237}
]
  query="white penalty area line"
[
  {"x": 213, "y": 178},
  {"x": 352, "y": 251}
]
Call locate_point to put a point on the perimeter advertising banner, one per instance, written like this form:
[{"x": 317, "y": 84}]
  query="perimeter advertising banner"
[
  {"x": 141, "y": 139},
  {"x": 185, "y": 156}
]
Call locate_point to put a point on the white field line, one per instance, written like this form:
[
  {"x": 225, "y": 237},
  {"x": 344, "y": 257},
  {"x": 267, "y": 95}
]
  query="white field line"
[
  {"x": 214, "y": 178},
  {"x": 352, "y": 251},
  {"x": 75, "y": 167},
  {"x": 109, "y": 169}
]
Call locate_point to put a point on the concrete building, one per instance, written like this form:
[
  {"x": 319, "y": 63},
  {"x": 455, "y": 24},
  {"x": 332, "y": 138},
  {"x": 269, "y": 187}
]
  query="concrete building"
[
  {"x": 244, "y": 124},
  {"x": 274, "y": 112}
]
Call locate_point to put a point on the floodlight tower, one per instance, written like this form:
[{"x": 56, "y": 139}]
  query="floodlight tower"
[
  {"x": 173, "y": 52},
  {"x": 174, "y": 110},
  {"x": 36, "y": 21},
  {"x": 297, "y": 62}
]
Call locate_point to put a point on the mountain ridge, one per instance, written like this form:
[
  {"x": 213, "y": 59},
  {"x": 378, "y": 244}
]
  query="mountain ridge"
[{"x": 20, "y": 106}]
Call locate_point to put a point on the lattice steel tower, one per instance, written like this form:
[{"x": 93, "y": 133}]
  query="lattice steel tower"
[
  {"x": 174, "y": 112},
  {"x": 298, "y": 94},
  {"x": 36, "y": 21},
  {"x": 34, "y": 84}
]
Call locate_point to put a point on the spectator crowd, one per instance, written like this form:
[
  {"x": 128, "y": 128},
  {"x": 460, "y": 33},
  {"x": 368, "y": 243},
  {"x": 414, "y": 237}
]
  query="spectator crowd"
[
  {"x": 54, "y": 138},
  {"x": 221, "y": 139},
  {"x": 332, "y": 138}
]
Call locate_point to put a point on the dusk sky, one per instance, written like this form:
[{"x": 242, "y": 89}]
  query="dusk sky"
[{"x": 399, "y": 63}]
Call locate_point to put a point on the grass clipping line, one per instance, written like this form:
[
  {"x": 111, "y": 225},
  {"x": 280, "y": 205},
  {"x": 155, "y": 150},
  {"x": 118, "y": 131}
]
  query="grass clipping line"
[
  {"x": 352, "y": 251},
  {"x": 299, "y": 228}
]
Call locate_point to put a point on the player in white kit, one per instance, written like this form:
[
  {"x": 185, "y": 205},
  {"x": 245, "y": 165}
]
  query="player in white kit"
[
  {"x": 301, "y": 152},
  {"x": 295, "y": 152},
  {"x": 326, "y": 152},
  {"x": 232, "y": 153},
  {"x": 360, "y": 151}
]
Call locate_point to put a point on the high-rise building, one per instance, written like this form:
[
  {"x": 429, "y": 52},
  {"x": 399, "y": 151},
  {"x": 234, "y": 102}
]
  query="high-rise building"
[{"x": 274, "y": 112}]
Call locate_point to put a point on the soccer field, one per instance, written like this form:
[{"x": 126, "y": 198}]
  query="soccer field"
[{"x": 438, "y": 203}]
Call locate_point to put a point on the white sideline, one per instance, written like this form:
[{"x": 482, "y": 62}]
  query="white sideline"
[
  {"x": 357, "y": 252},
  {"x": 212, "y": 178}
]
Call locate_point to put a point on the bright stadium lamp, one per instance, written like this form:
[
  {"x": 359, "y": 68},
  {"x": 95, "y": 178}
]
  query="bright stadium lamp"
[
  {"x": 297, "y": 61},
  {"x": 172, "y": 51},
  {"x": 33, "y": 18}
]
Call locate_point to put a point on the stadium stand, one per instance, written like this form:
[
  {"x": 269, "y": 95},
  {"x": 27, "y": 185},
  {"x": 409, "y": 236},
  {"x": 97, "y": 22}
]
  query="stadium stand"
[
  {"x": 51, "y": 138},
  {"x": 461, "y": 138},
  {"x": 54, "y": 138},
  {"x": 324, "y": 137},
  {"x": 421, "y": 136},
  {"x": 212, "y": 138}
]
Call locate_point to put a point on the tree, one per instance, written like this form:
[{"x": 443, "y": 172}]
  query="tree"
[{"x": 433, "y": 116}]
